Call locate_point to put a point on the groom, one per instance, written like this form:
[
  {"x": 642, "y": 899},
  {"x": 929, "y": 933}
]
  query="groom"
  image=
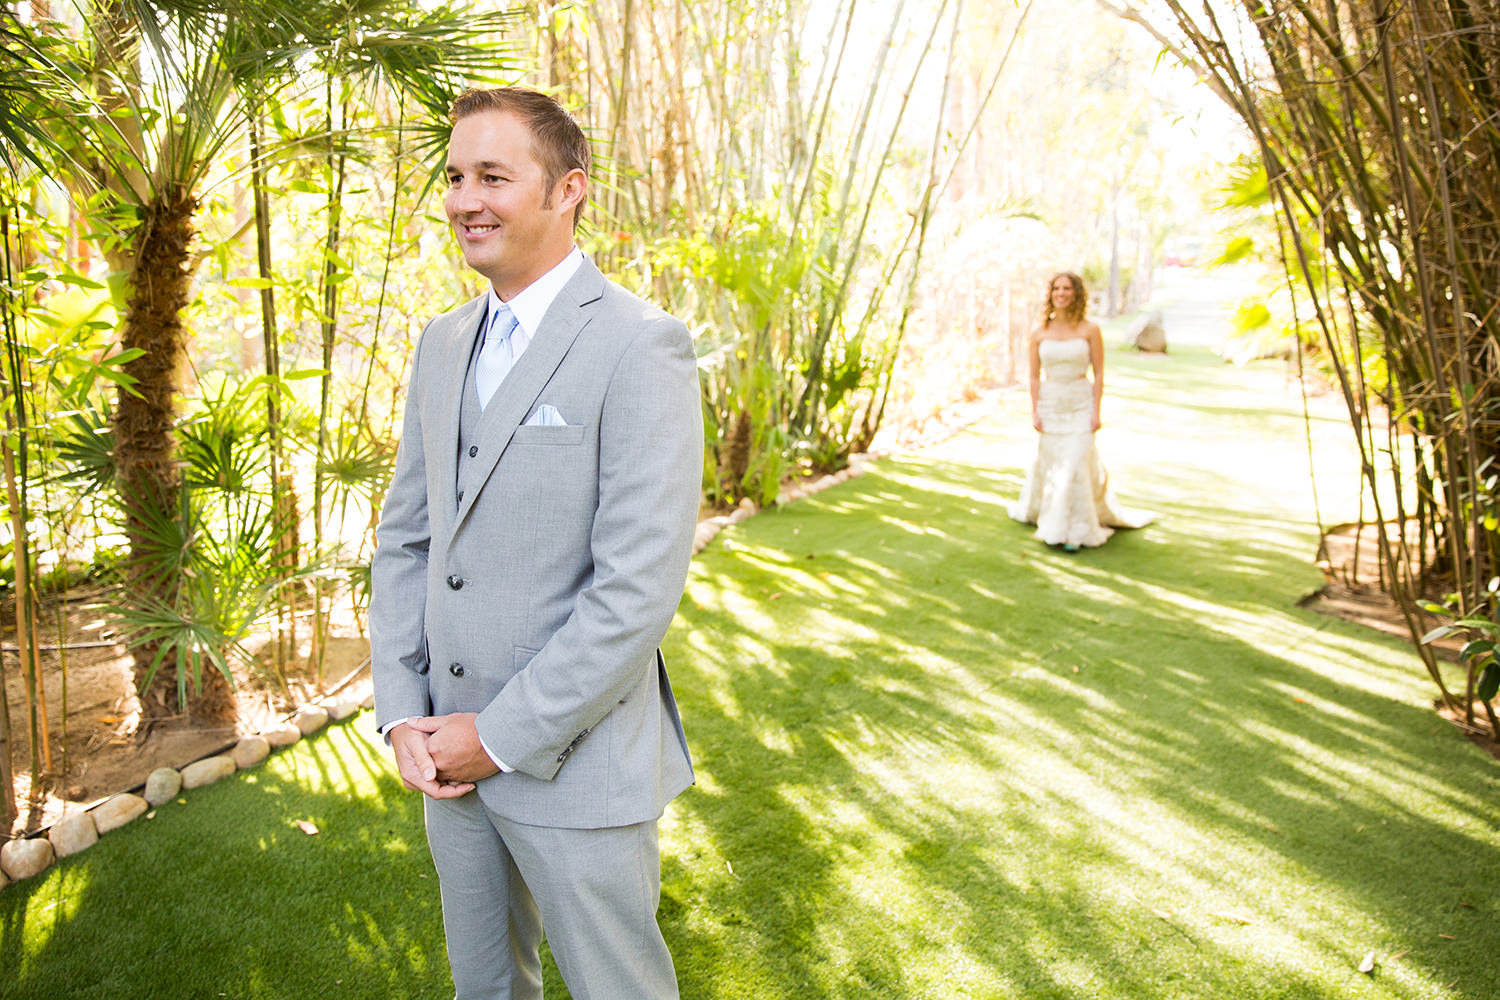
[{"x": 531, "y": 552}]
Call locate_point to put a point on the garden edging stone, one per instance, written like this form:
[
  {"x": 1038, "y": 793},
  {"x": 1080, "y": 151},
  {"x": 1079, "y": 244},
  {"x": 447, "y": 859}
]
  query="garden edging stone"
[{"x": 73, "y": 834}]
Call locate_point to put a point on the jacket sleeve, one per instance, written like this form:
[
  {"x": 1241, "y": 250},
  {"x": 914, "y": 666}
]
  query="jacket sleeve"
[
  {"x": 650, "y": 474},
  {"x": 398, "y": 571}
]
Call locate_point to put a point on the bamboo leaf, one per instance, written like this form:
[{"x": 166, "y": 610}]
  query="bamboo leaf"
[
  {"x": 1489, "y": 682},
  {"x": 78, "y": 280},
  {"x": 1477, "y": 648},
  {"x": 1437, "y": 633}
]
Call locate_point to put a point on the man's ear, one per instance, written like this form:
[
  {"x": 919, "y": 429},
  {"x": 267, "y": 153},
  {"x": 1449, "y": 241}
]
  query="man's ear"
[{"x": 572, "y": 190}]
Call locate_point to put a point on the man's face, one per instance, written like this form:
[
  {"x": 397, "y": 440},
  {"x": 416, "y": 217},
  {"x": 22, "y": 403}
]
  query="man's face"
[{"x": 506, "y": 219}]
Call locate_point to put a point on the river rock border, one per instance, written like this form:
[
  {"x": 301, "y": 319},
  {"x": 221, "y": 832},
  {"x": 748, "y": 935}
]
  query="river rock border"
[{"x": 23, "y": 857}]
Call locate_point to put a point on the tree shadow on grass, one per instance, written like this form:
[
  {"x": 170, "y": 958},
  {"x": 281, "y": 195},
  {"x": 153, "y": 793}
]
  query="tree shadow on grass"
[
  {"x": 1080, "y": 775},
  {"x": 936, "y": 759}
]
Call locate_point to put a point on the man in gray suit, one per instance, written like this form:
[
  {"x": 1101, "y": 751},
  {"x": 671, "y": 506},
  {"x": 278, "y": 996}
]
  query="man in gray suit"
[{"x": 531, "y": 552}]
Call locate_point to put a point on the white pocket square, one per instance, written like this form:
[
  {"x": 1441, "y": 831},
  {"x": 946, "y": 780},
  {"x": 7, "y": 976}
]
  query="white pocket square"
[{"x": 546, "y": 415}]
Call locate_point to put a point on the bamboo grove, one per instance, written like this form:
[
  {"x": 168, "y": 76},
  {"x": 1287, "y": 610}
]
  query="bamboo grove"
[
  {"x": 1379, "y": 130},
  {"x": 219, "y": 252}
]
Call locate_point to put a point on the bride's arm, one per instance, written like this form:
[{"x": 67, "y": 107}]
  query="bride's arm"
[
  {"x": 1034, "y": 365},
  {"x": 1096, "y": 358}
]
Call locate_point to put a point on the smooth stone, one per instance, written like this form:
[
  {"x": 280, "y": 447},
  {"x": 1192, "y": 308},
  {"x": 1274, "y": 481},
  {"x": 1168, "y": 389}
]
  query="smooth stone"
[
  {"x": 162, "y": 785},
  {"x": 207, "y": 771},
  {"x": 119, "y": 810},
  {"x": 73, "y": 834},
  {"x": 794, "y": 494},
  {"x": 283, "y": 734},
  {"x": 24, "y": 858},
  {"x": 1148, "y": 333},
  {"x": 368, "y": 701},
  {"x": 739, "y": 514},
  {"x": 249, "y": 751},
  {"x": 343, "y": 707},
  {"x": 310, "y": 718}
]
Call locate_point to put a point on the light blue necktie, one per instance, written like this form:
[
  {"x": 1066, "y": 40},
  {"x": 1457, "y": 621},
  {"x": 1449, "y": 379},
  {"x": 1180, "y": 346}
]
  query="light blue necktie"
[{"x": 495, "y": 356}]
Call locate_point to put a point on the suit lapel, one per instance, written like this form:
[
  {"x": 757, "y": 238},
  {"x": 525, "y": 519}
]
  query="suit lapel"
[
  {"x": 454, "y": 371},
  {"x": 569, "y": 313}
]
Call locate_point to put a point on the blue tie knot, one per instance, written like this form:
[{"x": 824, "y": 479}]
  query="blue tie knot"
[{"x": 503, "y": 323}]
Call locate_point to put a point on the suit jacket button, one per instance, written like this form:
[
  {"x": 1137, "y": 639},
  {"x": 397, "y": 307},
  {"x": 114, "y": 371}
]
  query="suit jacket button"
[
  {"x": 473, "y": 450},
  {"x": 455, "y": 582},
  {"x": 456, "y": 669}
]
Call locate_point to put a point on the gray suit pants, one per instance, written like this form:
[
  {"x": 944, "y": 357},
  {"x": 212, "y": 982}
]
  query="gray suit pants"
[{"x": 595, "y": 891}]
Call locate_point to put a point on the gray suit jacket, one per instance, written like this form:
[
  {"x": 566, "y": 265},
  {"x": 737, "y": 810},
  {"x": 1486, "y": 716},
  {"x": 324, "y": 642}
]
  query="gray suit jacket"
[{"x": 539, "y": 599}]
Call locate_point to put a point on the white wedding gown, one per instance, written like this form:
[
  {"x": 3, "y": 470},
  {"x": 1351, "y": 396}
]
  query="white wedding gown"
[{"x": 1067, "y": 494}]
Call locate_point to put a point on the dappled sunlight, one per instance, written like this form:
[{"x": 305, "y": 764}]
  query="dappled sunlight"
[
  {"x": 936, "y": 758},
  {"x": 981, "y": 712}
]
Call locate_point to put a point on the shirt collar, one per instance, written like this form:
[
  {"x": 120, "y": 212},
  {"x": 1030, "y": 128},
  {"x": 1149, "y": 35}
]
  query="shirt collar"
[{"x": 531, "y": 303}]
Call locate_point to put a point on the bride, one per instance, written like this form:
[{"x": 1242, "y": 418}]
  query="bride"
[{"x": 1067, "y": 493}]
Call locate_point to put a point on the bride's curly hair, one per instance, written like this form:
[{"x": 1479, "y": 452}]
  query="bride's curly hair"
[{"x": 1074, "y": 313}]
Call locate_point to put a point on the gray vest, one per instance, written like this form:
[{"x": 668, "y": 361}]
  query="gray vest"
[{"x": 469, "y": 414}]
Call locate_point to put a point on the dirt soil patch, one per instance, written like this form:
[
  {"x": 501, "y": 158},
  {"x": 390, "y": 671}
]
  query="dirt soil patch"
[{"x": 100, "y": 746}]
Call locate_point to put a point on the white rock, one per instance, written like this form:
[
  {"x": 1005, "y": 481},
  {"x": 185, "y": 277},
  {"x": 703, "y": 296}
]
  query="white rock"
[
  {"x": 73, "y": 834},
  {"x": 704, "y": 533},
  {"x": 249, "y": 751},
  {"x": 283, "y": 734},
  {"x": 793, "y": 494},
  {"x": 207, "y": 771},
  {"x": 24, "y": 858},
  {"x": 162, "y": 785},
  {"x": 119, "y": 810},
  {"x": 369, "y": 701},
  {"x": 1148, "y": 333},
  {"x": 739, "y": 514},
  {"x": 310, "y": 718},
  {"x": 343, "y": 707}
]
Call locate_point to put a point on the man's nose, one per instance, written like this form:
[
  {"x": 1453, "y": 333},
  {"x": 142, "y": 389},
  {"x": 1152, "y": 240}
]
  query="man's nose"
[{"x": 464, "y": 199}]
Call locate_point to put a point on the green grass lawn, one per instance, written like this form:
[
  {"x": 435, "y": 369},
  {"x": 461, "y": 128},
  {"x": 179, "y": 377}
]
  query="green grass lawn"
[{"x": 935, "y": 759}]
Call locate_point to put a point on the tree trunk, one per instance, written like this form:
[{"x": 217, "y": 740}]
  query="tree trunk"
[{"x": 150, "y": 481}]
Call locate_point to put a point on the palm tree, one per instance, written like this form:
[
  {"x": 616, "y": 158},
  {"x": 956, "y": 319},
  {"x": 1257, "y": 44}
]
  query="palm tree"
[{"x": 155, "y": 94}]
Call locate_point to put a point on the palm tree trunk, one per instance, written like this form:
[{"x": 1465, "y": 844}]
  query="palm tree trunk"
[{"x": 149, "y": 480}]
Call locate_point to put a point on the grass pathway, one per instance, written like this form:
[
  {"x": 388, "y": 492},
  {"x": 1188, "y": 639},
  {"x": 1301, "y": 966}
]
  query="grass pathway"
[{"x": 936, "y": 759}]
